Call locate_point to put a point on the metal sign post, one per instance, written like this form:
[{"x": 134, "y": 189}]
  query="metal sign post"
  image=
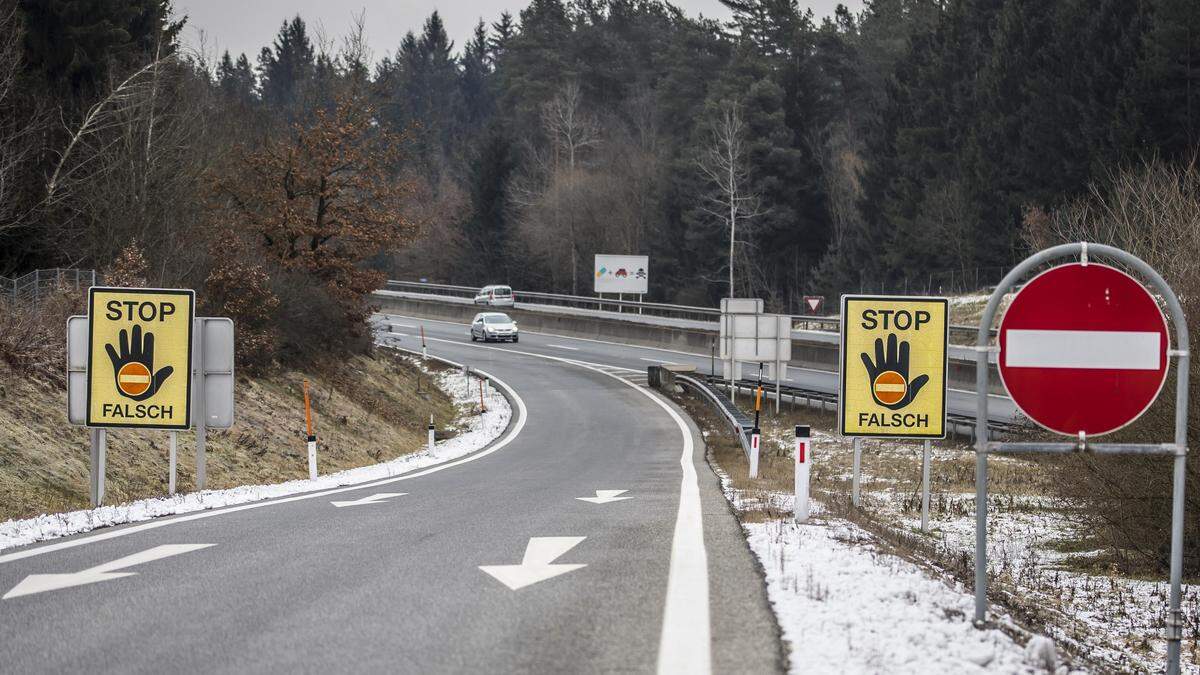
[
  {"x": 1090, "y": 347},
  {"x": 855, "y": 480},
  {"x": 925, "y": 485},
  {"x": 99, "y": 450},
  {"x": 172, "y": 460}
]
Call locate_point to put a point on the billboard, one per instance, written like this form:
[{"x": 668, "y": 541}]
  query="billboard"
[{"x": 622, "y": 274}]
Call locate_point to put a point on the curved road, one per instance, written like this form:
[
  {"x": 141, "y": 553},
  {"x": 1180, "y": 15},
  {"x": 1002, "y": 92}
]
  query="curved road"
[
  {"x": 959, "y": 401},
  {"x": 662, "y": 580}
]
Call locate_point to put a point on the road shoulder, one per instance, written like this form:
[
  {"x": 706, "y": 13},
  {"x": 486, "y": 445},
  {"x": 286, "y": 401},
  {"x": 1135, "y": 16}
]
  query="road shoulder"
[{"x": 745, "y": 634}]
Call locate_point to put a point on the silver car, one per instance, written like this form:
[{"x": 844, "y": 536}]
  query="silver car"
[
  {"x": 489, "y": 326},
  {"x": 495, "y": 296}
]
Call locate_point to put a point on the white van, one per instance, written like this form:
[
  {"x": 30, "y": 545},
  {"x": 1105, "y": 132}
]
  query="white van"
[{"x": 495, "y": 296}]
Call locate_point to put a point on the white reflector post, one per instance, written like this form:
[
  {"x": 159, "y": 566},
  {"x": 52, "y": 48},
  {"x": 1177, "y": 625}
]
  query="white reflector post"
[
  {"x": 803, "y": 468},
  {"x": 754, "y": 435},
  {"x": 1097, "y": 349}
]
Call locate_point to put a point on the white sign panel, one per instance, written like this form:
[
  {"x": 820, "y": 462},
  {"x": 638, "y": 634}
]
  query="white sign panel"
[
  {"x": 216, "y": 359},
  {"x": 761, "y": 338},
  {"x": 622, "y": 274}
]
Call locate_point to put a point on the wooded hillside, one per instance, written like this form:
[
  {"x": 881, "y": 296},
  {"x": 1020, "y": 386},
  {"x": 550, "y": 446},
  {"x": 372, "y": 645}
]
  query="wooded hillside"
[{"x": 902, "y": 147}]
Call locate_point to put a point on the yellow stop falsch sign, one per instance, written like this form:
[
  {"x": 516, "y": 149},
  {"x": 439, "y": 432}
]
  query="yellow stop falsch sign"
[
  {"x": 893, "y": 366},
  {"x": 139, "y": 357}
]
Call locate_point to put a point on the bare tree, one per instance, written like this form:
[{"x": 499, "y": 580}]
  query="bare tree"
[
  {"x": 571, "y": 130},
  {"x": 723, "y": 163},
  {"x": 85, "y": 143}
]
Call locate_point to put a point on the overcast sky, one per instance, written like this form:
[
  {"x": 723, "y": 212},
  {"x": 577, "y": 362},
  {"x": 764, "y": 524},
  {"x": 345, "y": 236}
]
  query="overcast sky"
[{"x": 248, "y": 25}]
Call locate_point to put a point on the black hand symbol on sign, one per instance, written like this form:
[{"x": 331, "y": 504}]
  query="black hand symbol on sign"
[
  {"x": 140, "y": 352},
  {"x": 894, "y": 361}
]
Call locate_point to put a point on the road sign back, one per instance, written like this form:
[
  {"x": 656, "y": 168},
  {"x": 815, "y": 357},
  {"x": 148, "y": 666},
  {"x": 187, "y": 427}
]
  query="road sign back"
[
  {"x": 1083, "y": 348},
  {"x": 139, "y": 357},
  {"x": 893, "y": 366}
]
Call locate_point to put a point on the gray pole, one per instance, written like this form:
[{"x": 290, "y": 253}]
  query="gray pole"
[
  {"x": 854, "y": 485},
  {"x": 1175, "y": 618},
  {"x": 172, "y": 446},
  {"x": 96, "y": 482},
  {"x": 925, "y": 486},
  {"x": 198, "y": 410}
]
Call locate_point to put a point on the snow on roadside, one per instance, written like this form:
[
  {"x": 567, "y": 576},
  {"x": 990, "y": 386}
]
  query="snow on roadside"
[
  {"x": 473, "y": 432},
  {"x": 844, "y": 606}
]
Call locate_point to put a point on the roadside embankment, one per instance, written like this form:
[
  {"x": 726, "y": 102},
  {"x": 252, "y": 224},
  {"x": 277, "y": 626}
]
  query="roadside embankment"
[{"x": 370, "y": 410}]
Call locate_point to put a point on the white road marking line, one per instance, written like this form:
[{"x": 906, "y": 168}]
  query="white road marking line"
[
  {"x": 667, "y": 363},
  {"x": 404, "y": 325},
  {"x": 538, "y": 562},
  {"x": 40, "y": 583},
  {"x": 392, "y": 332},
  {"x": 574, "y": 349},
  {"x": 522, "y": 416},
  {"x": 1123, "y": 350},
  {"x": 377, "y": 498},
  {"x": 605, "y": 496}
]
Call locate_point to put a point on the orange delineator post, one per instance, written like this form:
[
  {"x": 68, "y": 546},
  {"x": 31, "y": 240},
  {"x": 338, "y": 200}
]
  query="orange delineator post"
[
  {"x": 312, "y": 439},
  {"x": 482, "y": 408}
]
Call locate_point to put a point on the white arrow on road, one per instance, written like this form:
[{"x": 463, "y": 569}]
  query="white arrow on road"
[
  {"x": 537, "y": 564},
  {"x": 373, "y": 499},
  {"x": 40, "y": 583},
  {"x": 605, "y": 496}
]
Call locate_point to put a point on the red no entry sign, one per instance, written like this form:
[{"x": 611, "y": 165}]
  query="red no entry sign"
[{"x": 1083, "y": 348}]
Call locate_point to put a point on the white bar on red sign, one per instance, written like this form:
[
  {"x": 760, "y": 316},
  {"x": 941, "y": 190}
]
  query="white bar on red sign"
[{"x": 1098, "y": 349}]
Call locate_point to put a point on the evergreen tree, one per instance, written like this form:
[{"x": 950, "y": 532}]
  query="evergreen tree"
[
  {"x": 286, "y": 68},
  {"x": 75, "y": 45},
  {"x": 1168, "y": 78},
  {"x": 236, "y": 79},
  {"x": 477, "y": 98},
  {"x": 487, "y": 230}
]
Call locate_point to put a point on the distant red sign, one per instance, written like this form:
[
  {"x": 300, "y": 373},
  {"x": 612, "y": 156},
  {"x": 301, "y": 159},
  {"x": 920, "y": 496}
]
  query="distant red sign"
[{"x": 1083, "y": 348}]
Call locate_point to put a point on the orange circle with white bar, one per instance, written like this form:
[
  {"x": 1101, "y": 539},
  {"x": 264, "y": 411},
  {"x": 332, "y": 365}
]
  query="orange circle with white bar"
[
  {"x": 133, "y": 379},
  {"x": 890, "y": 387}
]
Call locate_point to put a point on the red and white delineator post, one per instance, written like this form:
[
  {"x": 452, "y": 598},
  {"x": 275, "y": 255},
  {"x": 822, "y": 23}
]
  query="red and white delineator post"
[
  {"x": 803, "y": 469},
  {"x": 754, "y": 441},
  {"x": 431, "y": 434}
]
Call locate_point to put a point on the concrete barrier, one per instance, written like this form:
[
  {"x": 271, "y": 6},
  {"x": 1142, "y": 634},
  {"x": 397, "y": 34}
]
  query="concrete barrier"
[{"x": 810, "y": 349}]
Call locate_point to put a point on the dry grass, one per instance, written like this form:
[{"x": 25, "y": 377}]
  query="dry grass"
[{"x": 372, "y": 409}]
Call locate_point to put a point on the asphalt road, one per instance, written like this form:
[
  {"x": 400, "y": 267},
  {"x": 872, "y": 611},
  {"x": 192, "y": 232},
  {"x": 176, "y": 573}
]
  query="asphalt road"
[
  {"x": 958, "y": 401},
  {"x": 662, "y": 580}
]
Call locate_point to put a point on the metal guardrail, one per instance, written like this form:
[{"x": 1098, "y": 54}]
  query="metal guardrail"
[
  {"x": 963, "y": 425},
  {"x": 33, "y": 286},
  {"x": 831, "y": 324},
  {"x": 740, "y": 421}
]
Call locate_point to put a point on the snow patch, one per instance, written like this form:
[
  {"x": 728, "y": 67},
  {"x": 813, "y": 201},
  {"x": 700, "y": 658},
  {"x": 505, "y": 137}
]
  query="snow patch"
[{"x": 844, "y": 606}]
